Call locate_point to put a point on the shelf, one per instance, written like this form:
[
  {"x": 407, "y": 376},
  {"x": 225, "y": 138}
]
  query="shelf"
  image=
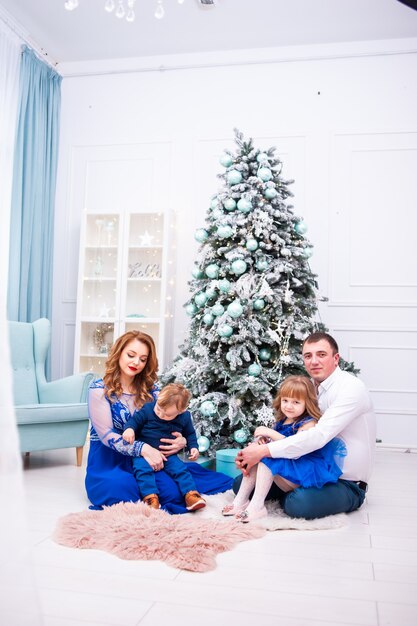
[
  {"x": 122, "y": 286},
  {"x": 99, "y": 278},
  {"x": 97, "y": 320},
  {"x": 142, "y": 320},
  {"x": 143, "y": 279},
  {"x": 101, "y": 246},
  {"x": 138, "y": 247}
]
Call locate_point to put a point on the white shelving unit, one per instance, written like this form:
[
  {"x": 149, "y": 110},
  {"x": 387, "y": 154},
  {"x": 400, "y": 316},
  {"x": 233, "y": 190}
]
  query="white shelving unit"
[{"x": 122, "y": 283}]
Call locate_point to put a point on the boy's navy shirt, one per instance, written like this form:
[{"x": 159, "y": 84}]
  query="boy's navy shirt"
[{"x": 150, "y": 428}]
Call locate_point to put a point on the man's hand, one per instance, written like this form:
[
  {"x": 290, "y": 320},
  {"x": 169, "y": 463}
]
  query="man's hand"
[
  {"x": 194, "y": 454},
  {"x": 129, "y": 435},
  {"x": 250, "y": 456}
]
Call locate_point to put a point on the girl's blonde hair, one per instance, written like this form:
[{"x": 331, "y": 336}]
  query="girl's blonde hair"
[
  {"x": 143, "y": 381},
  {"x": 174, "y": 394},
  {"x": 300, "y": 388}
]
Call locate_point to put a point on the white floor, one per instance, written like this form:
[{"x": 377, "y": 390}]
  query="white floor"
[{"x": 365, "y": 573}]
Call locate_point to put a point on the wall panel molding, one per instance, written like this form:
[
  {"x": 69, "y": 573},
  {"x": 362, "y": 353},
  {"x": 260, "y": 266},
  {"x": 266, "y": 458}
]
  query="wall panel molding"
[
  {"x": 372, "y": 180},
  {"x": 67, "y": 347}
]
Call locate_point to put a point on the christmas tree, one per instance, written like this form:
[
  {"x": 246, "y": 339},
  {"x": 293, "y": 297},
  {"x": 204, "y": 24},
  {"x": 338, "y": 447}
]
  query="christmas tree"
[{"x": 253, "y": 300}]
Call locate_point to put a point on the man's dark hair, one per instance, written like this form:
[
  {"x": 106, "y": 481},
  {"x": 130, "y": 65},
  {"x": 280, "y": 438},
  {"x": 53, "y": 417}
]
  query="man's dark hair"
[{"x": 315, "y": 337}]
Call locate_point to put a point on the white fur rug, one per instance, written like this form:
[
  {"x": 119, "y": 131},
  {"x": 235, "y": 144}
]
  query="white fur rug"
[{"x": 276, "y": 520}]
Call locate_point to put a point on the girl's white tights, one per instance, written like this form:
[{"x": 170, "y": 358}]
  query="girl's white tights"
[{"x": 259, "y": 477}]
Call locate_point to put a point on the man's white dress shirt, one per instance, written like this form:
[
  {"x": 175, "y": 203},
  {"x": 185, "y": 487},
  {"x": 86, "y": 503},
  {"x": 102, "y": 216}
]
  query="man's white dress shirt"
[{"x": 347, "y": 414}]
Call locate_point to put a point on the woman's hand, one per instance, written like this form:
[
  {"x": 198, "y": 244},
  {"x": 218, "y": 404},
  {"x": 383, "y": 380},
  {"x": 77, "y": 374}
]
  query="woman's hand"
[
  {"x": 172, "y": 446},
  {"x": 154, "y": 457}
]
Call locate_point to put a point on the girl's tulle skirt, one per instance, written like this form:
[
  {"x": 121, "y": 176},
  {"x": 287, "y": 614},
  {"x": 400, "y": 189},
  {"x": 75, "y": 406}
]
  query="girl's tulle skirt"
[
  {"x": 314, "y": 469},
  {"x": 109, "y": 479}
]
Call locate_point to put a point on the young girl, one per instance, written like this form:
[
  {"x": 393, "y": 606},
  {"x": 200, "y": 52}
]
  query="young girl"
[{"x": 296, "y": 409}]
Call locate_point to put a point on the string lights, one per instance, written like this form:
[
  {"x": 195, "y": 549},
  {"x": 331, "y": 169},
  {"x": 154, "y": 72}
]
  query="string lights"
[{"x": 124, "y": 8}]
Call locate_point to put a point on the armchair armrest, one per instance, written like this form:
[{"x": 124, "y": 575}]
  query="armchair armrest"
[{"x": 66, "y": 390}]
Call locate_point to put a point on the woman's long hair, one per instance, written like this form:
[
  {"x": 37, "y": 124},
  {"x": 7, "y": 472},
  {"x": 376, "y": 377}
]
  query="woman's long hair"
[
  {"x": 143, "y": 381},
  {"x": 299, "y": 388}
]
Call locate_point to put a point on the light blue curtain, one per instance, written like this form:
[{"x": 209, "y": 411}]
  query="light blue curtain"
[{"x": 33, "y": 192}]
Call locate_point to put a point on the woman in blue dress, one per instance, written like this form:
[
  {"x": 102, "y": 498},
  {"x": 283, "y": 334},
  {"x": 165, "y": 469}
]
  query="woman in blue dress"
[
  {"x": 128, "y": 383},
  {"x": 296, "y": 409}
]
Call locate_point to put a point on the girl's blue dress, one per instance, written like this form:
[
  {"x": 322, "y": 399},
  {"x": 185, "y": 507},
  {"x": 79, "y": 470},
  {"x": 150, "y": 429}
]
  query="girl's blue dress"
[
  {"x": 109, "y": 478},
  {"x": 314, "y": 469}
]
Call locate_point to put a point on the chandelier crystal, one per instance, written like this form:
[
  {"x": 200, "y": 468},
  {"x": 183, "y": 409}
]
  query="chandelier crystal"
[{"x": 125, "y": 8}]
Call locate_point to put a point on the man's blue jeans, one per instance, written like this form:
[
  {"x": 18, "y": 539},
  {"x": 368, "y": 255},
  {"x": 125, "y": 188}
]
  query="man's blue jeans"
[
  {"x": 173, "y": 466},
  {"x": 310, "y": 502}
]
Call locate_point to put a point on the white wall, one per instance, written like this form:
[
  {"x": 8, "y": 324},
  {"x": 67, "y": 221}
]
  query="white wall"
[{"x": 346, "y": 130}]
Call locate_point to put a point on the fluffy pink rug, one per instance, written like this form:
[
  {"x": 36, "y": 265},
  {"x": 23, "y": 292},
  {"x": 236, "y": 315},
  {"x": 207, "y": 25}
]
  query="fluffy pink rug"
[{"x": 135, "y": 531}]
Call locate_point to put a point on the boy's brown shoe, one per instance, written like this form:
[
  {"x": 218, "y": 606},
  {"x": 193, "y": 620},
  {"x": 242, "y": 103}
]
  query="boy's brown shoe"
[
  {"x": 194, "y": 501},
  {"x": 152, "y": 500}
]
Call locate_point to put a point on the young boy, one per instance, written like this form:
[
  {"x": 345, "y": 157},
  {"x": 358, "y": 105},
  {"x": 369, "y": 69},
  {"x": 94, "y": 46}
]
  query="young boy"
[{"x": 157, "y": 419}]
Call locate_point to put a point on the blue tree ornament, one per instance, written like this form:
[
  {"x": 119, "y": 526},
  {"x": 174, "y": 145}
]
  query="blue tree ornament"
[
  {"x": 254, "y": 369},
  {"x": 262, "y": 265},
  {"x": 235, "y": 309},
  {"x": 262, "y": 157},
  {"x": 226, "y": 160},
  {"x": 217, "y": 309},
  {"x": 225, "y": 285},
  {"x": 210, "y": 293},
  {"x": 264, "y": 173},
  {"x": 225, "y": 330},
  {"x": 234, "y": 177},
  {"x": 251, "y": 245},
  {"x": 203, "y": 443},
  {"x": 197, "y": 272},
  {"x": 270, "y": 193},
  {"x": 244, "y": 205},
  {"x": 301, "y": 227},
  {"x": 259, "y": 304},
  {"x": 239, "y": 267},
  {"x": 212, "y": 270},
  {"x": 241, "y": 435},
  {"x": 200, "y": 299},
  {"x": 208, "y": 319},
  {"x": 207, "y": 408},
  {"x": 229, "y": 204},
  {"x": 225, "y": 231},
  {"x": 264, "y": 354},
  {"x": 191, "y": 309},
  {"x": 201, "y": 235}
]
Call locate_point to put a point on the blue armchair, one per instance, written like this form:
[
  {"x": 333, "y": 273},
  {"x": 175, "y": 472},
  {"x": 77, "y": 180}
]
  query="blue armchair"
[{"x": 49, "y": 415}]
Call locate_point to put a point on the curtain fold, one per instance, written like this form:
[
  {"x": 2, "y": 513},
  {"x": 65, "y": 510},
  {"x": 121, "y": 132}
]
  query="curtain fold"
[
  {"x": 10, "y": 46},
  {"x": 19, "y": 597},
  {"x": 33, "y": 192}
]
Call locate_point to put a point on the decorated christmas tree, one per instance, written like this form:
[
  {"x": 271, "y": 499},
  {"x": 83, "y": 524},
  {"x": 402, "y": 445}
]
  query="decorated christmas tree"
[{"x": 253, "y": 300}]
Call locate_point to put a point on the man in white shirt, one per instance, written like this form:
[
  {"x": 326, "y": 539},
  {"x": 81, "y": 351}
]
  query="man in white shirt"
[{"x": 347, "y": 414}]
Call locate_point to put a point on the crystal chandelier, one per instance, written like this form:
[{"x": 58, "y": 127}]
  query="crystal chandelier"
[{"x": 125, "y": 8}]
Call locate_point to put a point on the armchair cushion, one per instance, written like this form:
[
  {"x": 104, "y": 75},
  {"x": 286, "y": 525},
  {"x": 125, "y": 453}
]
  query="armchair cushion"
[
  {"x": 23, "y": 363},
  {"x": 70, "y": 389},
  {"x": 41, "y": 413},
  {"x": 49, "y": 415}
]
